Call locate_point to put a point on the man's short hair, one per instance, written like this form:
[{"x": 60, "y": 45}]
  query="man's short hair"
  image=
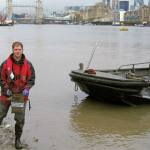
[{"x": 17, "y": 43}]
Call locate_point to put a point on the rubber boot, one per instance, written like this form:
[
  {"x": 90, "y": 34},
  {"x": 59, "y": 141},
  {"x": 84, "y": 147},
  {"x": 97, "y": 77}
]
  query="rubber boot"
[
  {"x": 18, "y": 144},
  {"x": 1, "y": 121},
  {"x": 18, "y": 134}
]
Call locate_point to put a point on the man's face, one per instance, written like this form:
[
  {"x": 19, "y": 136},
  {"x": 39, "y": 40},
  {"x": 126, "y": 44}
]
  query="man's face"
[{"x": 18, "y": 51}]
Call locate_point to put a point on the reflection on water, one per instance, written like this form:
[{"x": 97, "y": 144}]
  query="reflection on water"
[
  {"x": 110, "y": 126},
  {"x": 97, "y": 119}
]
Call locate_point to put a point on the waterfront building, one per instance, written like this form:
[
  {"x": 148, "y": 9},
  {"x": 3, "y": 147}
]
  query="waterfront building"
[
  {"x": 103, "y": 13},
  {"x": 108, "y": 3},
  {"x": 98, "y": 13},
  {"x": 144, "y": 14},
  {"x": 85, "y": 13},
  {"x": 115, "y": 5},
  {"x": 122, "y": 12},
  {"x": 131, "y": 17},
  {"x": 132, "y": 7},
  {"x": 116, "y": 18},
  {"x": 138, "y": 16},
  {"x": 124, "y": 5},
  {"x": 75, "y": 17}
]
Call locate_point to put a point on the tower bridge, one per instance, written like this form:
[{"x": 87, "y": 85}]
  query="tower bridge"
[
  {"x": 38, "y": 6},
  {"x": 39, "y": 16}
]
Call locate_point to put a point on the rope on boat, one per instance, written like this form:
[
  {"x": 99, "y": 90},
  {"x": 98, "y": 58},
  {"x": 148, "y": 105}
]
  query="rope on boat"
[
  {"x": 76, "y": 99},
  {"x": 76, "y": 87}
]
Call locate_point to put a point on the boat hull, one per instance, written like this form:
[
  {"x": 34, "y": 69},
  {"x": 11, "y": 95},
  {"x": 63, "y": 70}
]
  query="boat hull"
[{"x": 107, "y": 87}]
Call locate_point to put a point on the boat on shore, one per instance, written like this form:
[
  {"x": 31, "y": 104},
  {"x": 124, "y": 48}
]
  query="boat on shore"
[
  {"x": 7, "y": 23},
  {"x": 4, "y": 24},
  {"x": 127, "y": 82}
]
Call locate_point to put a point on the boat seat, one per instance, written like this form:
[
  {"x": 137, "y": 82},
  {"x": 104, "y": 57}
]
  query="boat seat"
[{"x": 131, "y": 75}]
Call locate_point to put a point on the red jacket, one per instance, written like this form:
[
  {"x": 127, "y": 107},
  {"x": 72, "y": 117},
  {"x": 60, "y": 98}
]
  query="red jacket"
[{"x": 16, "y": 75}]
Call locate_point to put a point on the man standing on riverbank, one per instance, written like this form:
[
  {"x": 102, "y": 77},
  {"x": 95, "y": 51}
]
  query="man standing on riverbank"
[{"x": 17, "y": 76}]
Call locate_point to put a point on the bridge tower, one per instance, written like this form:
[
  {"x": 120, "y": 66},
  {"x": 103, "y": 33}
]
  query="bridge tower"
[
  {"x": 149, "y": 3},
  {"x": 9, "y": 9},
  {"x": 39, "y": 12}
]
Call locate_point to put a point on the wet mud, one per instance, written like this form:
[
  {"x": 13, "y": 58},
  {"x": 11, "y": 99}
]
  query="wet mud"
[{"x": 7, "y": 138}]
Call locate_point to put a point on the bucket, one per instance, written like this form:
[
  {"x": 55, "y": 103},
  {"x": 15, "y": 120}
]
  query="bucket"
[{"x": 17, "y": 103}]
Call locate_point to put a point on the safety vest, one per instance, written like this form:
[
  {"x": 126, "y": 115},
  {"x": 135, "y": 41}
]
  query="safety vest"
[{"x": 16, "y": 75}]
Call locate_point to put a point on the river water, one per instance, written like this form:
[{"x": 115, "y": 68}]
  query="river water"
[{"x": 61, "y": 119}]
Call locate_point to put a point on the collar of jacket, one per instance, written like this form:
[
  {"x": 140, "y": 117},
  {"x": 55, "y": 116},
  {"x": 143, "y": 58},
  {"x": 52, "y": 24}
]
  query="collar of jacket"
[{"x": 21, "y": 61}]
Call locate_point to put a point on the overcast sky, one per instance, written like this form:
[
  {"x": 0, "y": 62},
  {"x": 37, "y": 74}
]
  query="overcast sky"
[
  {"x": 55, "y": 4},
  {"x": 62, "y": 3},
  {"x": 58, "y": 4}
]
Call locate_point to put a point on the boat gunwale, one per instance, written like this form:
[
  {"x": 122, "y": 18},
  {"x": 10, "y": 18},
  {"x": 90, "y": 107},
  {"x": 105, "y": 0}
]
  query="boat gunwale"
[
  {"x": 106, "y": 81},
  {"x": 96, "y": 76}
]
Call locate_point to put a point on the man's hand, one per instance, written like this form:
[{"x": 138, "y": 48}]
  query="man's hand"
[
  {"x": 8, "y": 92},
  {"x": 26, "y": 92}
]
